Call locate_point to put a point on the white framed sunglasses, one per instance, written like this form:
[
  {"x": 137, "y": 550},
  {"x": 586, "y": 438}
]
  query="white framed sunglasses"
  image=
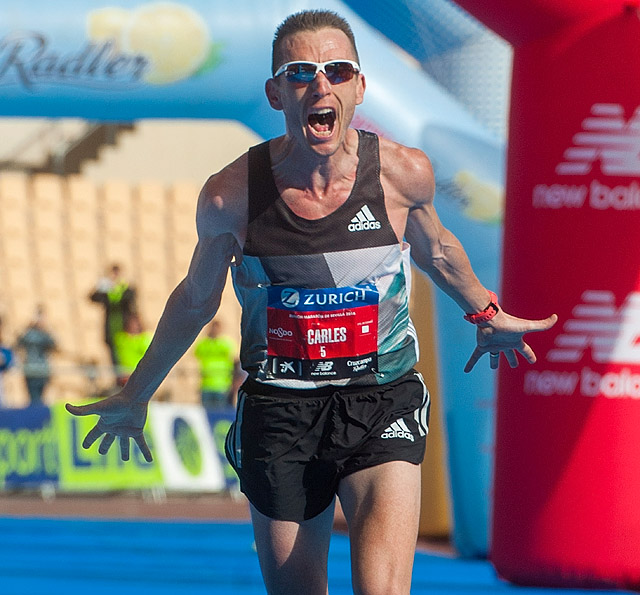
[{"x": 336, "y": 71}]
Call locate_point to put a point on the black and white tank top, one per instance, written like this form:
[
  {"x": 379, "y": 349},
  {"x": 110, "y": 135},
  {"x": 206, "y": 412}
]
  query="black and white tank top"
[{"x": 324, "y": 301}]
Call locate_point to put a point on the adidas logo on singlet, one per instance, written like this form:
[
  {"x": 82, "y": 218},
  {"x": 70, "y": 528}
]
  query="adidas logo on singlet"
[
  {"x": 364, "y": 220},
  {"x": 398, "y": 429}
]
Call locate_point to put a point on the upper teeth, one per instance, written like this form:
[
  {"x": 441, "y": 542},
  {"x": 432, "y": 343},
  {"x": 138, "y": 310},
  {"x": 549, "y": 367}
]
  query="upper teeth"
[{"x": 324, "y": 110}]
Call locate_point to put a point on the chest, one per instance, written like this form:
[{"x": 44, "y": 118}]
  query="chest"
[{"x": 311, "y": 205}]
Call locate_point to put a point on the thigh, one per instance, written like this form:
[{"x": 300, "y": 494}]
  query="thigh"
[
  {"x": 382, "y": 508},
  {"x": 293, "y": 556},
  {"x": 273, "y": 446}
]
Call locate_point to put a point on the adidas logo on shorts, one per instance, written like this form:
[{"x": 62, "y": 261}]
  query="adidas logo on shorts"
[
  {"x": 398, "y": 429},
  {"x": 364, "y": 220}
]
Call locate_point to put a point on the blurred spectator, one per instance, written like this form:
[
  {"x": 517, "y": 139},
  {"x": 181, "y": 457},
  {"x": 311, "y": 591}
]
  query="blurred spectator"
[
  {"x": 130, "y": 344},
  {"x": 118, "y": 299},
  {"x": 217, "y": 356},
  {"x": 36, "y": 343},
  {"x": 6, "y": 360}
]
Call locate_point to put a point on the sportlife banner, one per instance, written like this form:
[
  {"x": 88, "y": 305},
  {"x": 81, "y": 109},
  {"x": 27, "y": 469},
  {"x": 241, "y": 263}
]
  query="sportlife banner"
[
  {"x": 42, "y": 445},
  {"x": 28, "y": 448},
  {"x": 192, "y": 59}
]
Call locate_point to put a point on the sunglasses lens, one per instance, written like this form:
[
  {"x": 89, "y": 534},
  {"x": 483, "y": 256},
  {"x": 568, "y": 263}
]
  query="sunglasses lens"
[
  {"x": 301, "y": 72},
  {"x": 305, "y": 72},
  {"x": 339, "y": 72}
]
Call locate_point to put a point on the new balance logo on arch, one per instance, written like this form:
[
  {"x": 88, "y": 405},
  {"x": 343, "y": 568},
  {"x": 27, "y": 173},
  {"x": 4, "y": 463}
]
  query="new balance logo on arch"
[
  {"x": 606, "y": 136},
  {"x": 364, "y": 220},
  {"x": 398, "y": 429},
  {"x": 612, "y": 334}
]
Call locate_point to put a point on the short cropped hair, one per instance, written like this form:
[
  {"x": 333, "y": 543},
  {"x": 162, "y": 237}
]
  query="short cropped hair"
[{"x": 308, "y": 20}]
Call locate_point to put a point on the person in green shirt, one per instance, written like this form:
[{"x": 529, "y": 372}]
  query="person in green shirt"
[
  {"x": 217, "y": 356},
  {"x": 130, "y": 345}
]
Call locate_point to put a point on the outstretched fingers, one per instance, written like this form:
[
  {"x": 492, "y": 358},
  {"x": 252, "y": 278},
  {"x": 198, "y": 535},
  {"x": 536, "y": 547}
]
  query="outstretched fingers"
[
  {"x": 144, "y": 448},
  {"x": 109, "y": 438},
  {"x": 92, "y": 435},
  {"x": 527, "y": 353},
  {"x": 124, "y": 448},
  {"x": 88, "y": 409},
  {"x": 120, "y": 419},
  {"x": 509, "y": 340},
  {"x": 512, "y": 358},
  {"x": 536, "y": 326},
  {"x": 106, "y": 443},
  {"x": 473, "y": 360}
]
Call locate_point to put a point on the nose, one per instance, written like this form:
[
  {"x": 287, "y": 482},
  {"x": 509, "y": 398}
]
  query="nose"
[{"x": 321, "y": 85}]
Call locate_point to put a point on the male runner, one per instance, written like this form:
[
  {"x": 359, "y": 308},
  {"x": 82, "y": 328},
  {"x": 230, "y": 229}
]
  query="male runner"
[{"x": 316, "y": 225}]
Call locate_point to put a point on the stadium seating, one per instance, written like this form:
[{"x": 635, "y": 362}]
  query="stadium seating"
[{"x": 58, "y": 235}]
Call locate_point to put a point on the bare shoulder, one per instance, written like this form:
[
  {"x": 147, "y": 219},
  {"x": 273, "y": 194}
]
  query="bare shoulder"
[
  {"x": 223, "y": 201},
  {"x": 406, "y": 172}
]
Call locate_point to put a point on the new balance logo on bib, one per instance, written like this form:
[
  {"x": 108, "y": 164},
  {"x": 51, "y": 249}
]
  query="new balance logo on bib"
[{"x": 364, "y": 220}]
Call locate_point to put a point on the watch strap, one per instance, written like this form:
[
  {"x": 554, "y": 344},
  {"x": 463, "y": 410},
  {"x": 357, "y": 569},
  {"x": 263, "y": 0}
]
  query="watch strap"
[{"x": 487, "y": 314}]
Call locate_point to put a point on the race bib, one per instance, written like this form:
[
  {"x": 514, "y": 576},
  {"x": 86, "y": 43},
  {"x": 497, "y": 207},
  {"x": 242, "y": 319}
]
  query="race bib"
[{"x": 322, "y": 334}]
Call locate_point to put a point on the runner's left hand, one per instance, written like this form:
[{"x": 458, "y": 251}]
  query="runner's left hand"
[{"x": 505, "y": 334}]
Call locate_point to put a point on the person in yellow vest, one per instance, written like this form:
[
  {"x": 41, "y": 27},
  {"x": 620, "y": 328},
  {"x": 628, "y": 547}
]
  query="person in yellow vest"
[
  {"x": 217, "y": 356},
  {"x": 130, "y": 345},
  {"x": 118, "y": 299}
]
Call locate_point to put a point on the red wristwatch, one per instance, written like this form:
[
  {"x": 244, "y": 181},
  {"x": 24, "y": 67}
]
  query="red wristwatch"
[{"x": 487, "y": 314}]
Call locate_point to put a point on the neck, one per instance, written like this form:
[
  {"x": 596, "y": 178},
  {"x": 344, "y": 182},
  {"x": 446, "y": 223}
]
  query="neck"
[{"x": 299, "y": 167}]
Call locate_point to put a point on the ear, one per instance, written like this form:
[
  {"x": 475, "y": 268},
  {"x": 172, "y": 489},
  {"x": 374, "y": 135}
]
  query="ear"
[
  {"x": 272, "y": 90},
  {"x": 362, "y": 85}
]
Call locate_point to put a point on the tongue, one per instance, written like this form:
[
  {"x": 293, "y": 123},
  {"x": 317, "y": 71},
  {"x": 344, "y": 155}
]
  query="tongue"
[{"x": 321, "y": 122}]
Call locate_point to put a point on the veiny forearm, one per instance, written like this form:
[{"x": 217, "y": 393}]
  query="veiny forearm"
[
  {"x": 451, "y": 271},
  {"x": 191, "y": 305},
  {"x": 177, "y": 329}
]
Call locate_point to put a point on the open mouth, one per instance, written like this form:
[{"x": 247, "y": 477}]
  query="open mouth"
[{"x": 322, "y": 121}]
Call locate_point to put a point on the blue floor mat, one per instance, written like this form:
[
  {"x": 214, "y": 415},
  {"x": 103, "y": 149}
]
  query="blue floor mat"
[{"x": 96, "y": 557}]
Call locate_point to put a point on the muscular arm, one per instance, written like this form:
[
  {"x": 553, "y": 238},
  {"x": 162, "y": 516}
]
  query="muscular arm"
[
  {"x": 409, "y": 191},
  {"x": 221, "y": 224},
  {"x": 190, "y": 306},
  {"x": 195, "y": 301},
  {"x": 439, "y": 253}
]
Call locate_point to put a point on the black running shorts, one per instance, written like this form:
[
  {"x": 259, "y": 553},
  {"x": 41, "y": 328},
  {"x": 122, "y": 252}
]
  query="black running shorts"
[{"x": 290, "y": 449}]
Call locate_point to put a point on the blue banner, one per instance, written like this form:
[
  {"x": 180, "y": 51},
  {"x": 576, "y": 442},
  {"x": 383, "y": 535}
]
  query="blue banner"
[
  {"x": 28, "y": 447},
  {"x": 41, "y": 445}
]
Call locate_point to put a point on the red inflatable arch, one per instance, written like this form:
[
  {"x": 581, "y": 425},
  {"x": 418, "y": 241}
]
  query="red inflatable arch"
[{"x": 567, "y": 476}]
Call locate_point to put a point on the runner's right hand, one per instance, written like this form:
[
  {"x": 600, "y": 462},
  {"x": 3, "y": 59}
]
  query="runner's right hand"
[{"x": 119, "y": 417}]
